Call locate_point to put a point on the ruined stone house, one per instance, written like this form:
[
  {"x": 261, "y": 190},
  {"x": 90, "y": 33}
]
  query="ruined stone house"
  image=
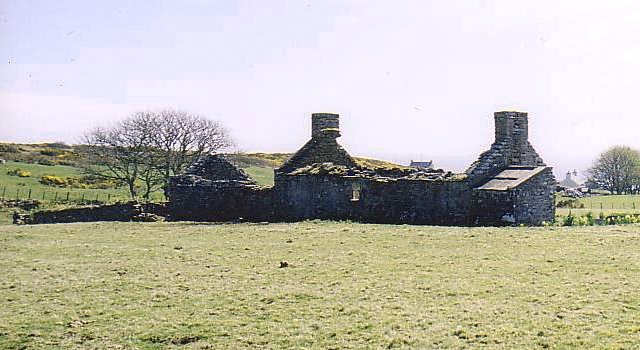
[{"x": 508, "y": 184}]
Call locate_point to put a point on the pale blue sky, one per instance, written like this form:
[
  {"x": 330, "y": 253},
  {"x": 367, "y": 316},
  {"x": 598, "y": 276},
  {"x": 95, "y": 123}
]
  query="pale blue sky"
[{"x": 410, "y": 79}]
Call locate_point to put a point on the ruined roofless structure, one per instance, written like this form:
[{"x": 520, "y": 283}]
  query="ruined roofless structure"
[{"x": 508, "y": 184}]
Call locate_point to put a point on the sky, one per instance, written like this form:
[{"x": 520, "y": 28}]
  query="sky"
[{"x": 410, "y": 79}]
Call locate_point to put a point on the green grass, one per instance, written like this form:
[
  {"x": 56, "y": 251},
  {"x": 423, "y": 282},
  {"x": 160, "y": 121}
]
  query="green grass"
[
  {"x": 262, "y": 175},
  {"x": 612, "y": 202},
  {"x": 13, "y": 186},
  {"x": 348, "y": 286}
]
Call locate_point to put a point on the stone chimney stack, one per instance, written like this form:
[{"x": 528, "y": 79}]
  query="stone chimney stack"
[
  {"x": 512, "y": 128},
  {"x": 325, "y": 125},
  {"x": 511, "y": 148}
]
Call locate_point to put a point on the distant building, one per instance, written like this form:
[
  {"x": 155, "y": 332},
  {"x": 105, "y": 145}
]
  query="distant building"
[
  {"x": 572, "y": 180},
  {"x": 2, "y": 161},
  {"x": 422, "y": 165}
]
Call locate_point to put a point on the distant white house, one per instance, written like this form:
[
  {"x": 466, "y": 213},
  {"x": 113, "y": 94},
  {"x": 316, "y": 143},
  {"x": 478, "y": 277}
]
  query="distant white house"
[
  {"x": 2, "y": 161},
  {"x": 422, "y": 165},
  {"x": 572, "y": 180}
]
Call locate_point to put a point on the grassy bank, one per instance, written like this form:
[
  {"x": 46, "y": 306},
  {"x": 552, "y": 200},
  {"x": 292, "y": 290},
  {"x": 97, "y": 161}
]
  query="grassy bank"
[
  {"x": 13, "y": 187},
  {"x": 199, "y": 286}
]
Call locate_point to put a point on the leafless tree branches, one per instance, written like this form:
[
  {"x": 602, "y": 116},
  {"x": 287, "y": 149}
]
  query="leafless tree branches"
[{"x": 146, "y": 148}]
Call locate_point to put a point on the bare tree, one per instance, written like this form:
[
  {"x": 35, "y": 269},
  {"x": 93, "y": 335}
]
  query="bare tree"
[
  {"x": 181, "y": 137},
  {"x": 617, "y": 170},
  {"x": 148, "y": 147},
  {"x": 120, "y": 152}
]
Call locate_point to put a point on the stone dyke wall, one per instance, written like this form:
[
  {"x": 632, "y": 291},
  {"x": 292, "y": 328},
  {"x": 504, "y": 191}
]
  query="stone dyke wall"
[{"x": 129, "y": 211}]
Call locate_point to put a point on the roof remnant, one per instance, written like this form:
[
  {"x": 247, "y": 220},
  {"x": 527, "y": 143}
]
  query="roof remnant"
[{"x": 511, "y": 177}]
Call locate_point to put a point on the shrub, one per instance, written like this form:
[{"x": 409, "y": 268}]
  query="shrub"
[
  {"x": 52, "y": 180},
  {"x": 569, "y": 220},
  {"x": 570, "y": 203},
  {"x": 19, "y": 173},
  {"x": 46, "y": 161},
  {"x": 5, "y": 148},
  {"x": 590, "y": 220},
  {"x": 58, "y": 144},
  {"x": 50, "y": 152},
  {"x": 85, "y": 182}
]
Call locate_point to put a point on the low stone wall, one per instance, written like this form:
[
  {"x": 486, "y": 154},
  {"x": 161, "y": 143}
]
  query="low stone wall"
[{"x": 113, "y": 212}]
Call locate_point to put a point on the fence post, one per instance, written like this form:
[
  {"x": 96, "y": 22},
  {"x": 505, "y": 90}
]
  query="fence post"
[
  {"x": 43, "y": 194},
  {"x": 600, "y": 205},
  {"x": 82, "y": 200},
  {"x": 29, "y": 193},
  {"x": 97, "y": 194},
  {"x": 17, "y": 194},
  {"x": 56, "y": 197},
  {"x": 109, "y": 198},
  {"x": 67, "y": 196},
  {"x": 4, "y": 190}
]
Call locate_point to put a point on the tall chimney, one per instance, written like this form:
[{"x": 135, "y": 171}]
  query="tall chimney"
[
  {"x": 512, "y": 128},
  {"x": 325, "y": 125}
]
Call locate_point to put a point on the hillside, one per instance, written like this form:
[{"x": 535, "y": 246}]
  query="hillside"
[
  {"x": 258, "y": 165},
  {"x": 275, "y": 160}
]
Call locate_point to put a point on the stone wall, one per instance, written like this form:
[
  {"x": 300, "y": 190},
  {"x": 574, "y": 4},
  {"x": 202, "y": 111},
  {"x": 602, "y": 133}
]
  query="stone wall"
[
  {"x": 493, "y": 208},
  {"x": 374, "y": 200},
  {"x": 534, "y": 201},
  {"x": 198, "y": 199},
  {"x": 531, "y": 203},
  {"x": 216, "y": 167},
  {"x": 114, "y": 212}
]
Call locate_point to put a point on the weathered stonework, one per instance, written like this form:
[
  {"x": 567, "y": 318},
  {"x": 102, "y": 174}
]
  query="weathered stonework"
[
  {"x": 323, "y": 147},
  {"x": 216, "y": 167},
  {"x": 511, "y": 147},
  {"x": 129, "y": 211},
  {"x": 509, "y": 184}
]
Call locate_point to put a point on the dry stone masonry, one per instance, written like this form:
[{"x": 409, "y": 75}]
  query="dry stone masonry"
[{"x": 508, "y": 184}]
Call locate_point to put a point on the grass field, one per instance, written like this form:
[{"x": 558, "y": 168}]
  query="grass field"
[
  {"x": 611, "y": 202},
  {"x": 262, "y": 175},
  {"x": 18, "y": 187},
  {"x": 348, "y": 286},
  {"x": 12, "y": 187}
]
